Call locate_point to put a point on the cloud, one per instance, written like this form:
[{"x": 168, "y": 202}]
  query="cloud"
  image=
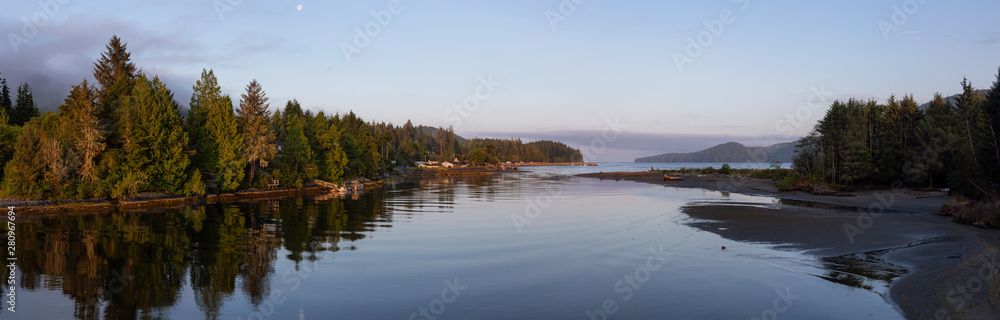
[{"x": 61, "y": 55}]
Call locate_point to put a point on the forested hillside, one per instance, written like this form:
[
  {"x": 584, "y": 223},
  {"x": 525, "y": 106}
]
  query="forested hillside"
[
  {"x": 731, "y": 152},
  {"x": 947, "y": 144},
  {"x": 125, "y": 135}
]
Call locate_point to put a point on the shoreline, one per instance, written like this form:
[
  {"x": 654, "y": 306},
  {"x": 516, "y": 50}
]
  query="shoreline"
[
  {"x": 923, "y": 258},
  {"x": 164, "y": 201}
]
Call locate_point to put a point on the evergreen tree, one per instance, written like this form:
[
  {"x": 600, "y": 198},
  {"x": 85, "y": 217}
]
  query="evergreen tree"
[
  {"x": 224, "y": 131},
  {"x": 206, "y": 96},
  {"x": 295, "y": 156},
  {"x": 80, "y": 112},
  {"x": 114, "y": 73},
  {"x": 24, "y": 173},
  {"x": 6, "y": 106},
  {"x": 927, "y": 157},
  {"x": 329, "y": 156},
  {"x": 25, "y": 108},
  {"x": 808, "y": 160},
  {"x": 155, "y": 140},
  {"x": 965, "y": 173},
  {"x": 8, "y": 139},
  {"x": 990, "y": 145},
  {"x": 258, "y": 137}
]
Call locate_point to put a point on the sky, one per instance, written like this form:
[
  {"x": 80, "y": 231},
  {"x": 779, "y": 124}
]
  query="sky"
[{"x": 617, "y": 79}]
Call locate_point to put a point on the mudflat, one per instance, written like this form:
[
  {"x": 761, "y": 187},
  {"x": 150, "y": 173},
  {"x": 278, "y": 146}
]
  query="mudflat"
[{"x": 937, "y": 269}]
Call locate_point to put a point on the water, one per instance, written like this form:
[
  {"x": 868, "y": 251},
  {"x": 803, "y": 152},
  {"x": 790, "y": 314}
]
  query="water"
[
  {"x": 630, "y": 166},
  {"x": 530, "y": 245}
]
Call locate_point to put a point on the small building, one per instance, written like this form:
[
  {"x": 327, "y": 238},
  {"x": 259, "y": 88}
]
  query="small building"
[
  {"x": 454, "y": 164},
  {"x": 429, "y": 164}
]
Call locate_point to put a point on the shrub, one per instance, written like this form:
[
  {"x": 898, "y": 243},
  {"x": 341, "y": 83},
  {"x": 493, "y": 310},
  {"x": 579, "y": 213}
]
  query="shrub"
[
  {"x": 789, "y": 183},
  {"x": 726, "y": 169},
  {"x": 984, "y": 214}
]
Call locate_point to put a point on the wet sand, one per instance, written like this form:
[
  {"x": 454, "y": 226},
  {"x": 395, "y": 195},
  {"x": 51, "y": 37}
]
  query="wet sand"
[{"x": 937, "y": 269}]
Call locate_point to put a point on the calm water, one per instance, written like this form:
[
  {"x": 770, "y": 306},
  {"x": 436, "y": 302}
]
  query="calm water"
[{"x": 532, "y": 245}]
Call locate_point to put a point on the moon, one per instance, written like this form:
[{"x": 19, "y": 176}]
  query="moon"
[{"x": 299, "y": 7}]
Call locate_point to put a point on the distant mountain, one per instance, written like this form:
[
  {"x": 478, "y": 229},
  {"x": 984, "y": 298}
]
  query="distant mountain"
[
  {"x": 730, "y": 152},
  {"x": 432, "y": 131},
  {"x": 952, "y": 99}
]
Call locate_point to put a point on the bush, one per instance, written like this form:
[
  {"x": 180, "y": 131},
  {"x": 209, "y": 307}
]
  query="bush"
[
  {"x": 789, "y": 183},
  {"x": 980, "y": 214},
  {"x": 708, "y": 170},
  {"x": 726, "y": 169}
]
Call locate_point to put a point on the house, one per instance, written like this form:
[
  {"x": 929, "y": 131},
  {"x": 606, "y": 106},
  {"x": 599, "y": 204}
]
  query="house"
[
  {"x": 429, "y": 164},
  {"x": 454, "y": 164}
]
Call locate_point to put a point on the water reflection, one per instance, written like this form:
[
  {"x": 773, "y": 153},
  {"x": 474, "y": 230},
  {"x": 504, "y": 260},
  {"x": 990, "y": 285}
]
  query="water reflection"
[
  {"x": 864, "y": 270},
  {"x": 393, "y": 247},
  {"x": 127, "y": 265}
]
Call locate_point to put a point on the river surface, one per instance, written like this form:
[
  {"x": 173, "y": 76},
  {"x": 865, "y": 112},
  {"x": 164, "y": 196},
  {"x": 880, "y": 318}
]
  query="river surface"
[{"x": 530, "y": 245}]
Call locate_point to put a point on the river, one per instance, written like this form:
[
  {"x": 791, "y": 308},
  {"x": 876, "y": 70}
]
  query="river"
[{"x": 539, "y": 244}]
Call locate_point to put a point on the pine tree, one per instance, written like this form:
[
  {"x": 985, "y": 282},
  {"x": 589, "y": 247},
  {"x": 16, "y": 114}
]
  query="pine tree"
[
  {"x": 24, "y": 173},
  {"x": 990, "y": 145},
  {"x": 8, "y": 138},
  {"x": 6, "y": 106},
  {"x": 115, "y": 73},
  {"x": 930, "y": 142},
  {"x": 79, "y": 113},
  {"x": 965, "y": 172},
  {"x": 154, "y": 138},
  {"x": 295, "y": 160},
  {"x": 226, "y": 136},
  {"x": 206, "y": 96},
  {"x": 25, "y": 108},
  {"x": 330, "y": 157},
  {"x": 258, "y": 137}
]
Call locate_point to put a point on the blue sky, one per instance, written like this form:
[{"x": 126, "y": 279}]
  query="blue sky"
[{"x": 605, "y": 61}]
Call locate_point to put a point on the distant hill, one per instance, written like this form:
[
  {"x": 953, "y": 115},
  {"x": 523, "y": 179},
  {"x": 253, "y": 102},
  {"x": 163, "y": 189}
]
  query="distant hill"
[
  {"x": 952, "y": 99},
  {"x": 730, "y": 152},
  {"x": 432, "y": 131}
]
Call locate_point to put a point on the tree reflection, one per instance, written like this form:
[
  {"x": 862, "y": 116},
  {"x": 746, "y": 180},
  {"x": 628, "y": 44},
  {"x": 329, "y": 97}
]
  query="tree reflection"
[{"x": 136, "y": 265}]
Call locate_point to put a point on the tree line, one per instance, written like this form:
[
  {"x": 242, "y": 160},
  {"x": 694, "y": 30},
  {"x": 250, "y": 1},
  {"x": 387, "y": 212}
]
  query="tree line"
[
  {"x": 950, "y": 143},
  {"x": 125, "y": 134}
]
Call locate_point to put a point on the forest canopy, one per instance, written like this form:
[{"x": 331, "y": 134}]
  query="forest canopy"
[
  {"x": 951, "y": 143},
  {"x": 125, "y": 134}
]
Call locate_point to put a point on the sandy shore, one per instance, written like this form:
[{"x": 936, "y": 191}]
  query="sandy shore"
[{"x": 937, "y": 269}]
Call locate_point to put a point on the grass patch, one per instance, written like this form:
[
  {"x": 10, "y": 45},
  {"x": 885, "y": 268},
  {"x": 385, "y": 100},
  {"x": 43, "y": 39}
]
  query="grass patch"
[{"x": 983, "y": 214}]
